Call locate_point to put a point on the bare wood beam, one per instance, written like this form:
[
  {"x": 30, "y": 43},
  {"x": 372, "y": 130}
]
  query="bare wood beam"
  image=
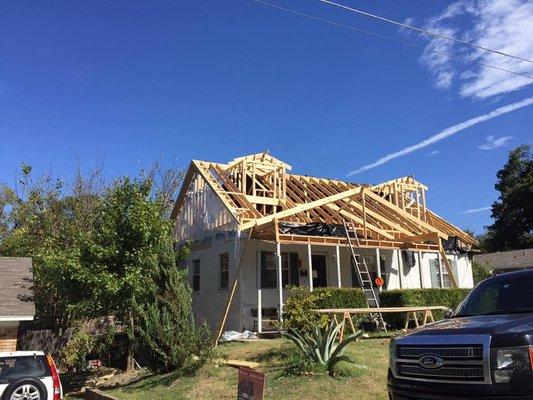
[
  {"x": 300, "y": 208},
  {"x": 405, "y": 214}
]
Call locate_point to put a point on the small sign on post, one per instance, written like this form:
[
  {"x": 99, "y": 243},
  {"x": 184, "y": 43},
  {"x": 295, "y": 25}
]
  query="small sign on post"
[{"x": 251, "y": 384}]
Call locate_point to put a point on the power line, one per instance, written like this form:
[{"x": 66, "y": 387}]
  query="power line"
[
  {"x": 426, "y": 32},
  {"x": 442, "y": 53}
]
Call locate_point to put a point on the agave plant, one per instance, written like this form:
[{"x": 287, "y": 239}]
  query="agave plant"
[{"x": 322, "y": 346}]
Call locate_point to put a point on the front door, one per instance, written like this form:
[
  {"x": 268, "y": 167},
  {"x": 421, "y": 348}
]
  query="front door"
[{"x": 320, "y": 278}]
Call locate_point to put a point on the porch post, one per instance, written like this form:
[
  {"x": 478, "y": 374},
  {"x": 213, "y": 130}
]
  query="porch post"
[
  {"x": 280, "y": 279},
  {"x": 378, "y": 266},
  {"x": 338, "y": 259},
  {"x": 259, "y": 311},
  {"x": 310, "y": 267},
  {"x": 441, "y": 279},
  {"x": 400, "y": 268},
  {"x": 420, "y": 270}
]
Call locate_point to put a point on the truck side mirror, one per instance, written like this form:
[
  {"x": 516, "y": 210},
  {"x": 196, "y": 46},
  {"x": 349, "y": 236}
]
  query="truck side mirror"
[{"x": 448, "y": 313}]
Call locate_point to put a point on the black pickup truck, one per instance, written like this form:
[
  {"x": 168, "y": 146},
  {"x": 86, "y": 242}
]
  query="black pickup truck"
[{"x": 483, "y": 350}]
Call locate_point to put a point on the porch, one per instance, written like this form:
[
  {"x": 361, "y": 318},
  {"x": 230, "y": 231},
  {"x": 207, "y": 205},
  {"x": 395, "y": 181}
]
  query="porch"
[{"x": 315, "y": 266}]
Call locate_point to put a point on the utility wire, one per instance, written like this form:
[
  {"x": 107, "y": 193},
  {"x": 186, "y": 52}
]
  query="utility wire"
[
  {"x": 414, "y": 28},
  {"x": 442, "y": 53}
]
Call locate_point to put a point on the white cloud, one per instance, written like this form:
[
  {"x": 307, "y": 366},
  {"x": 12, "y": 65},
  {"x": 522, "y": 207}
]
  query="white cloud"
[
  {"x": 450, "y": 131},
  {"x": 494, "y": 142},
  {"x": 434, "y": 153},
  {"x": 477, "y": 210},
  {"x": 502, "y": 25}
]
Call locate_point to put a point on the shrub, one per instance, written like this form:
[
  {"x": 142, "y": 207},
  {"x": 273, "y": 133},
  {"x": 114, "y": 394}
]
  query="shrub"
[
  {"x": 73, "y": 355},
  {"x": 480, "y": 272},
  {"x": 297, "y": 310},
  {"x": 419, "y": 297},
  {"x": 170, "y": 338}
]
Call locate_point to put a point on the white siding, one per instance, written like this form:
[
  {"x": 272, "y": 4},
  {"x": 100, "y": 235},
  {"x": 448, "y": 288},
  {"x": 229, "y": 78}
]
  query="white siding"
[{"x": 202, "y": 214}]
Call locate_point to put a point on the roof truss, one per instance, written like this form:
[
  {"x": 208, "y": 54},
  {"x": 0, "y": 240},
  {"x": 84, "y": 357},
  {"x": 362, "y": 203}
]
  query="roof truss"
[{"x": 259, "y": 192}]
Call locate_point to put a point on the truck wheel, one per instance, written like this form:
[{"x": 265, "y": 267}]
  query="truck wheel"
[{"x": 26, "y": 389}]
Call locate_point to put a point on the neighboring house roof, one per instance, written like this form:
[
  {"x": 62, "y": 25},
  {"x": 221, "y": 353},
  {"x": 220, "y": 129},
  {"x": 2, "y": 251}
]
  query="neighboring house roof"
[
  {"x": 261, "y": 195},
  {"x": 16, "y": 296},
  {"x": 515, "y": 259}
]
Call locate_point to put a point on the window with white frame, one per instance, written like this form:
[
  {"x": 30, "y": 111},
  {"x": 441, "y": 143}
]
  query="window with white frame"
[
  {"x": 224, "y": 270},
  {"x": 289, "y": 269},
  {"x": 434, "y": 266},
  {"x": 446, "y": 280},
  {"x": 196, "y": 275}
]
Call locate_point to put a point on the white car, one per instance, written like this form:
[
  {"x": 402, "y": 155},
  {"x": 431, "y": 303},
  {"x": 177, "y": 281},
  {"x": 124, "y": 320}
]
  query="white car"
[{"x": 29, "y": 375}]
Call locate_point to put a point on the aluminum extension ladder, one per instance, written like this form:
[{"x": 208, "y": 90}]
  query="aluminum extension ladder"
[{"x": 363, "y": 275}]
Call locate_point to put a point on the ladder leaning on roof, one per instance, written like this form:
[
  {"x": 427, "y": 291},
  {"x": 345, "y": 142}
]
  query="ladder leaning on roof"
[{"x": 361, "y": 268}]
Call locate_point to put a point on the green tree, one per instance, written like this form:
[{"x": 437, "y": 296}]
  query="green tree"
[
  {"x": 44, "y": 219},
  {"x": 121, "y": 257},
  {"x": 513, "y": 211}
]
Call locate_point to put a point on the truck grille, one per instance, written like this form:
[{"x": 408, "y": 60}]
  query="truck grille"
[{"x": 446, "y": 363}]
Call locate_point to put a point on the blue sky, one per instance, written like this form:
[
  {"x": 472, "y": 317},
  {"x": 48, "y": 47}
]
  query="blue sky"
[{"x": 129, "y": 82}]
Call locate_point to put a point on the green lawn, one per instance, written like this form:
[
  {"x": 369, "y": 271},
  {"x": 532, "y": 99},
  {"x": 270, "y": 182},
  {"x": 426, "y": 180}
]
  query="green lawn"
[{"x": 220, "y": 382}]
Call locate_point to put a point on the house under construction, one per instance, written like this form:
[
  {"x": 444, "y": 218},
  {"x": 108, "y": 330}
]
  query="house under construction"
[{"x": 251, "y": 224}]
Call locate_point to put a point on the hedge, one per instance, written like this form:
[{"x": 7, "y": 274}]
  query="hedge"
[
  {"x": 297, "y": 310},
  {"x": 420, "y": 297}
]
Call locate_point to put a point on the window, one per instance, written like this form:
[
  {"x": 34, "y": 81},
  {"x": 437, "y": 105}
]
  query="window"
[
  {"x": 434, "y": 266},
  {"x": 436, "y": 272},
  {"x": 269, "y": 271},
  {"x": 446, "y": 280},
  {"x": 224, "y": 270},
  {"x": 14, "y": 368},
  {"x": 196, "y": 275}
]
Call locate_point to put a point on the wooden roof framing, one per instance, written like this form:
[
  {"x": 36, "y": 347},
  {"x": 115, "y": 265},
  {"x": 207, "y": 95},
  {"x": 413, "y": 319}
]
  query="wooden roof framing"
[{"x": 260, "y": 193}]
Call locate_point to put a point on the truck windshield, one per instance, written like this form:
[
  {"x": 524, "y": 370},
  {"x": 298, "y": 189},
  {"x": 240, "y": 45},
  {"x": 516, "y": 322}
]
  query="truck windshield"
[{"x": 498, "y": 297}]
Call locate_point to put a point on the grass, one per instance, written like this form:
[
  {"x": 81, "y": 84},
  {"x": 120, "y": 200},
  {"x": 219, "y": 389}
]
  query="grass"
[{"x": 367, "y": 380}]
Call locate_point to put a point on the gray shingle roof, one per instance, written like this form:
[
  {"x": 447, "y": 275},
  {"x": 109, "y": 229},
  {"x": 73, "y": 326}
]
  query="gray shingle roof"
[
  {"x": 16, "y": 280},
  {"x": 515, "y": 259}
]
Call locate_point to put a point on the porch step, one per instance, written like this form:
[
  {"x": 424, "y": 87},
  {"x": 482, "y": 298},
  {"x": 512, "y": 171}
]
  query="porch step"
[{"x": 269, "y": 335}]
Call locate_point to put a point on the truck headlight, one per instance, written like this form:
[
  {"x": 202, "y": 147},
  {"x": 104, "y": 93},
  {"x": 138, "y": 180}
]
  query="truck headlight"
[{"x": 511, "y": 359}]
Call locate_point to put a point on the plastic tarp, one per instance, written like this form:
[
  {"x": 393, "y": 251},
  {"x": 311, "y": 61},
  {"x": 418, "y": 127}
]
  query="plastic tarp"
[
  {"x": 312, "y": 229},
  {"x": 453, "y": 245},
  {"x": 408, "y": 258},
  {"x": 229, "y": 336}
]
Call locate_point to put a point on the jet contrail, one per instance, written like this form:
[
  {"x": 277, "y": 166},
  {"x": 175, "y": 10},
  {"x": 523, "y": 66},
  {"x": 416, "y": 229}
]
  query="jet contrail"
[{"x": 452, "y": 130}]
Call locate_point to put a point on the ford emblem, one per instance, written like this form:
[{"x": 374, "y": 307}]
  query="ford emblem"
[{"x": 431, "y": 362}]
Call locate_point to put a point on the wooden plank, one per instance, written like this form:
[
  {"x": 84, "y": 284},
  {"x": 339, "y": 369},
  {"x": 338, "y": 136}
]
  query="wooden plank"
[
  {"x": 405, "y": 214},
  {"x": 241, "y": 198},
  {"x": 300, "y": 208},
  {"x": 360, "y": 221},
  {"x": 378, "y": 309},
  {"x": 263, "y": 200},
  {"x": 215, "y": 186}
]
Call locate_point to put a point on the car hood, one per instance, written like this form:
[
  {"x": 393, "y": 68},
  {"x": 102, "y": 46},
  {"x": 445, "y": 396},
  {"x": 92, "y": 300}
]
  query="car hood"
[{"x": 502, "y": 328}]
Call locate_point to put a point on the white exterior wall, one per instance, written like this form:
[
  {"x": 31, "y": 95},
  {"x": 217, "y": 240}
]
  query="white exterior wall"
[{"x": 210, "y": 301}]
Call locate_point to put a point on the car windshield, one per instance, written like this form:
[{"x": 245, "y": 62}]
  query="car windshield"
[
  {"x": 498, "y": 296},
  {"x": 14, "y": 368}
]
